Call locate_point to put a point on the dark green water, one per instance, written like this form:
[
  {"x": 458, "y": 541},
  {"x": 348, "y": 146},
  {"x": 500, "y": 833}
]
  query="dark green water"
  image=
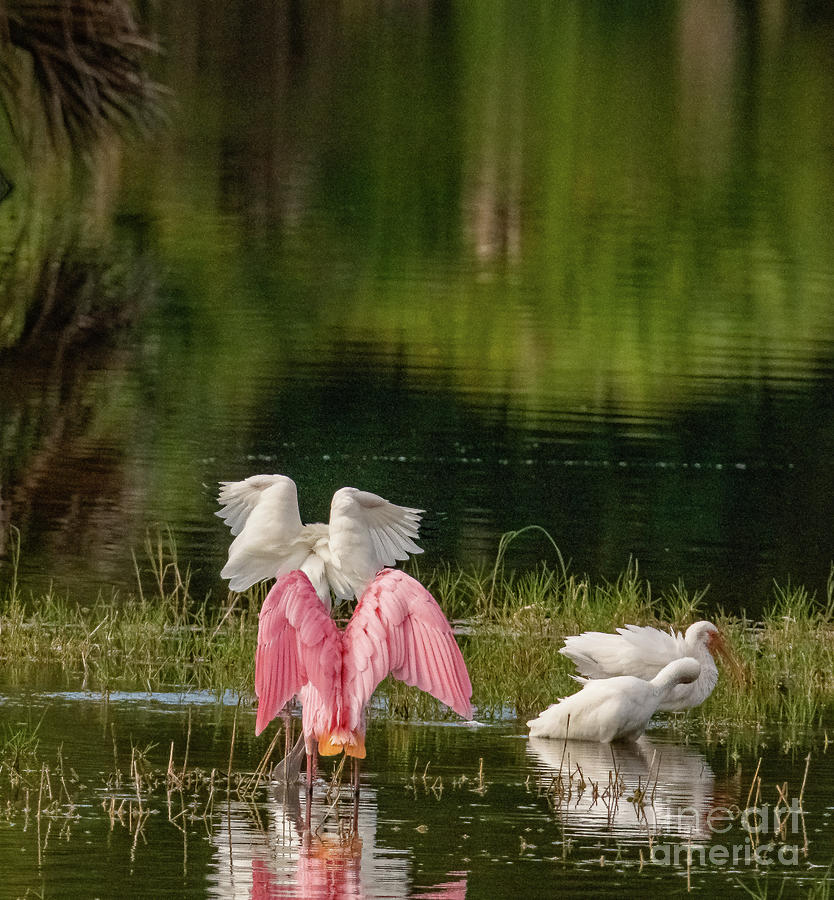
[
  {"x": 557, "y": 263},
  {"x": 446, "y": 812},
  {"x": 564, "y": 264}
]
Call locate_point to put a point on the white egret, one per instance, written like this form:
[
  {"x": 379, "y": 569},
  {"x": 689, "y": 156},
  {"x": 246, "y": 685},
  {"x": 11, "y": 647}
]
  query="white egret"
[
  {"x": 365, "y": 534},
  {"x": 643, "y": 651},
  {"x": 612, "y": 709}
]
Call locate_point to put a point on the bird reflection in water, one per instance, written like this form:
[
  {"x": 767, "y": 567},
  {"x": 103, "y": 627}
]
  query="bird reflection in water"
[
  {"x": 326, "y": 868},
  {"x": 643, "y": 787},
  {"x": 272, "y": 853},
  {"x": 278, "y": 856},
  {"x": 332, "y": 872}
]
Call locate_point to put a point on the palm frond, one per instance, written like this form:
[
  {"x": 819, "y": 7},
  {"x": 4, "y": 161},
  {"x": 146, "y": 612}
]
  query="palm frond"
[
  {"x": 88, "y": 59},
  {"x": 5, "y": 186}
]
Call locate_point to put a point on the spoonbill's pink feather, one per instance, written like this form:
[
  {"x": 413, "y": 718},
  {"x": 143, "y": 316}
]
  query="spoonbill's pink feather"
[
  {"x": 297, "y": 642},
  {"x": 397, "y": 628}
]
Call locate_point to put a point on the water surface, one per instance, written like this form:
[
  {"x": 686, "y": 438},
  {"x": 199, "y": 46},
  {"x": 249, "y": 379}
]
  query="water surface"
[
  {"x": 446, "y": 811},
  {"x": 567, "y": 265}
]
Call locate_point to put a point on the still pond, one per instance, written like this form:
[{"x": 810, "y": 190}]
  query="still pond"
[
  {"x": 553, "y": 263},
  {"x": 446, "y": 811},
  {"x": 569, "y": 264}
]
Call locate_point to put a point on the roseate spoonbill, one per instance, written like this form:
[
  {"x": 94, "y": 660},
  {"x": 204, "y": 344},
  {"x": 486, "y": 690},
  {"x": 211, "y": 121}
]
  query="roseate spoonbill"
[
  {"x": 365, "y": 533},
  {"x": 643, "y": 651},
  {"x": 612, "y": 709},
  {"x": 397, "y": 627}
]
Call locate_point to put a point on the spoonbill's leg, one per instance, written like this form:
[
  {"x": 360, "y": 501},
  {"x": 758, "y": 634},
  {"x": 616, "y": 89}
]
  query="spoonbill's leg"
[
  {"x": 312, "y": 765},
  {"x": 356, "y": 764},
  {"x": 287, "y": 719},
  {"x": 289, "y": 768}
]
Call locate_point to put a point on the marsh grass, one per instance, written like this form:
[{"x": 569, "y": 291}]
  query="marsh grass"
[
  {"x": 18, "y": 756},
  {"x": 787, "y": 661},
  {"x": 87, "y": 60},
  {"x": 515, "y": 624},
  {"x": 44, "y": 794},
  {"x": 510, "y": 627},
  {"x": 158, "y": 636}
]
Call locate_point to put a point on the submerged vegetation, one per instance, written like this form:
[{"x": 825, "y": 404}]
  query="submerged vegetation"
[{"x": 510, "y": 626}]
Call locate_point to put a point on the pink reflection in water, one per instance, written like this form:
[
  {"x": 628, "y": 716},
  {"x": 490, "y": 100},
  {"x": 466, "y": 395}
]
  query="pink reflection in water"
[{"x": 330, "y": 870}]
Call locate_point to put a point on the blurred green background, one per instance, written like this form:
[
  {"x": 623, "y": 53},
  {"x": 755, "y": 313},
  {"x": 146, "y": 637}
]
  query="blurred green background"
[{"x": 557, "y": 263}]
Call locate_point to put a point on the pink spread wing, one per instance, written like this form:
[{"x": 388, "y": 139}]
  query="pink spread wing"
[
  {"x": 398, "y": 627},
  {"x": 297, "y": 643}
]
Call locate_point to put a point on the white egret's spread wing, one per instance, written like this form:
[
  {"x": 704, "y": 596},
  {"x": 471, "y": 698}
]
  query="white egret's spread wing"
[
  {"x": 367, "y": 533},
  {"x": 265, "y": 507},
  {"x": 239, "y": 498}
]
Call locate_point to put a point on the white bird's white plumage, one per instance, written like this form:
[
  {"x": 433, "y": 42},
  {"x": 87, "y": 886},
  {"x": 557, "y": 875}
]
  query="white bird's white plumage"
[
  {"x": 365, "y": 534},
  {"x": 612, "y": 709},
  {"x": 642, "y": 651},
  {"x": 683, "y": 791}
]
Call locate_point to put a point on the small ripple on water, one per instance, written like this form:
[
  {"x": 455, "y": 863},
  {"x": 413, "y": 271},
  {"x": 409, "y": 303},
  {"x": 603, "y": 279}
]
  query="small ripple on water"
[{"x": 151, "y": 699}]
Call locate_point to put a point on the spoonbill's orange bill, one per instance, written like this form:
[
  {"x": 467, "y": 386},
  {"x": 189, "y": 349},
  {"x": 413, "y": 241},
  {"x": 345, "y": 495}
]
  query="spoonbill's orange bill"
[
  {"x": 643, "y": 651},
  {"x": 612, "y": 709},
  {"x": 397, "y": 628},
  {"x": 365, "y": 533}
]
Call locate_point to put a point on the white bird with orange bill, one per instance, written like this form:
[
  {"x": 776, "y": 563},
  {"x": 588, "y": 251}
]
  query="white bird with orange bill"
[
  {"x": 613, "y": 709},
  {"x": 642, "y": 651}
]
